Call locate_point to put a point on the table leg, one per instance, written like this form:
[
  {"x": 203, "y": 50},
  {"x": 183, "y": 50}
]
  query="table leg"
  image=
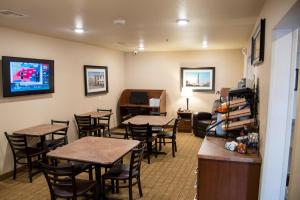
[
  {"x": 44, "y": 157},
  {"x": 98, "y": 182}
]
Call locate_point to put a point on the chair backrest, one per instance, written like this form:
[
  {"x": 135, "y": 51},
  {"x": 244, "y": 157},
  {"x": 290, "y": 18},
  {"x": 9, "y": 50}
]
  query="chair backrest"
[
  {"x": 16, "y": 142},
  {"x": 83, "y": 122},
  {"x": 158, "y": 113},
  {"x": 175, "y": 126},
  {"x": 107, "y": 118},
  {"x": 140, "y": 131},
  {"x": 64, "y": 131},
  {"x": 136, "y": 159},
  {"x": 59, "y": 177}
]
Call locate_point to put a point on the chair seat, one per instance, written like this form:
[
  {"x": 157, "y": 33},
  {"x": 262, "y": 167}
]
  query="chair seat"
[
  {"x": 82, "y": 187},
  {"x": 52, "y": 144},
  {"x": 78, "y": 166},
  {"x": 118, "y": 172},
  {"x": 30, "y": 151},
  {"x": 164, "y": 134},
  {"x": 156, "y": 129},
  {"x": 103, "y": 124}
]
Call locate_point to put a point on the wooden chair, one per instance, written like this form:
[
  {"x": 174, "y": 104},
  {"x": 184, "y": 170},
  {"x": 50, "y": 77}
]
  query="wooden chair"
[
  {"x": 85, "y": 126},
  {"x": 142, "y": 132},
  {"x": 62, "y": 182},
  {"x": 125, "y": 172},
  {"x": 55, "y": 142},
  {"x": 121, "y": 132},
  {"x": 171, "y": 136},
  {"x": 104, "y": 122},
  {"x": 21, "y": 151},
  {"x": 157, "y": 129}
]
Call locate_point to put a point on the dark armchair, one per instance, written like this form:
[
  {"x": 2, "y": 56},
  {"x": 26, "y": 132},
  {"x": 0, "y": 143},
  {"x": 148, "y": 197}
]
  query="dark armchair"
[{"x": 201, "y": 120}]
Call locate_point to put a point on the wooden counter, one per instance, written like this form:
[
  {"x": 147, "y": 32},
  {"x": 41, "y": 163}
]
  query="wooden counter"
[
  {"x": 212, "y": 148},
  {"x": 223, "y": 174}
]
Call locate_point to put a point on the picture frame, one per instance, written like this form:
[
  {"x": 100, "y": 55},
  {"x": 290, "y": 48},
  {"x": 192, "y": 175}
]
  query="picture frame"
[
  {"x": 95, "y": 80},
  {"x": 258, "y": 44},
  {"x": 201, "y": 79}
]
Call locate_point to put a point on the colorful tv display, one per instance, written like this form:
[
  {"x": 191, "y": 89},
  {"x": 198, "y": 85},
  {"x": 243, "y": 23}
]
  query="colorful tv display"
[{"x": 25, "y": 76}]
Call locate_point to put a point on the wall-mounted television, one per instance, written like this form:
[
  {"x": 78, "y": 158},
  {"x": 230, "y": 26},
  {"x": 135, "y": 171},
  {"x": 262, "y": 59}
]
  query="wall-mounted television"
[{"x": 26, "y": 76}]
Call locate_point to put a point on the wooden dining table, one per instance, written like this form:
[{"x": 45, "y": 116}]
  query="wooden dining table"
[
  {"x": 41, "y": 130},
  {"x": 152, "y": 120},
  {"x": 98, "y": 151},
  {"x": 97, "y": 114}
]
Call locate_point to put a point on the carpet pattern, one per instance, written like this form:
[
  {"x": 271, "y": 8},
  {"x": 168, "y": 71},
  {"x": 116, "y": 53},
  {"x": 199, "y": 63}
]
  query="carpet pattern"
[{"x": 165, "y": 178}]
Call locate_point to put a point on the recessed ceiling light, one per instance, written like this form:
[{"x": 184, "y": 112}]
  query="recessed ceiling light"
[
  {"x": 141, "y": 48},
  {"x": 79, "y": 30},
  {"x": 119, "y": 22},
  {"x": 205, "y": 44},
  {"x": 182, "y": 22}
]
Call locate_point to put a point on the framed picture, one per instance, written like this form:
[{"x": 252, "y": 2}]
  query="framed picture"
[
  {"x": 199, "y": 79},
  {"x": 95, "y": 80},
  {"x": 258, "y": 44}
]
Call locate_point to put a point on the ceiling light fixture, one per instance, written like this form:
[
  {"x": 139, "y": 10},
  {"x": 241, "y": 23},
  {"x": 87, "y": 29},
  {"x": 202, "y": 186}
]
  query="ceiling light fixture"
[
  {"x": 141, "y": 48},
  {"x": 205, "y": 44},
  {"x": 119, "y": 22},
  {"x": 182, "y": 22},
  {"x": 79, "y": 30}
]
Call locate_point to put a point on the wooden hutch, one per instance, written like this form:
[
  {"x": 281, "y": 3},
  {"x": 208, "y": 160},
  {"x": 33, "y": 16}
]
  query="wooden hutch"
[{"x": 126, "y": 108}]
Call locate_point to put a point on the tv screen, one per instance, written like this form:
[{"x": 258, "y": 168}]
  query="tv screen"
[
  {"x": 25, "y": 76},
  {"x": 139, "y": 98}
]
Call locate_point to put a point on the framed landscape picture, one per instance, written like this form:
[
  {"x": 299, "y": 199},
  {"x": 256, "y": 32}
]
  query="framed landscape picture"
[
  {"x": 199, "y": 79},
  {"x": 95, "y": 80},
  {"x": 258, "y": 44}
]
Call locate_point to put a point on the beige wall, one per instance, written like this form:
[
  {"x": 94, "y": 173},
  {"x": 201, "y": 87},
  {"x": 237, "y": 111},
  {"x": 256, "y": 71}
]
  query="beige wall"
[
  {"x": 161, "y": 70},
  {"x": 273, "y": 11},
  {"x": 69, "y": 98}
]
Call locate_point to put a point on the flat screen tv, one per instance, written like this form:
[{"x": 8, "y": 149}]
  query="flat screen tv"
[
  {"x": 139, "y": 98},
  {"x": 26, "y": 76}
]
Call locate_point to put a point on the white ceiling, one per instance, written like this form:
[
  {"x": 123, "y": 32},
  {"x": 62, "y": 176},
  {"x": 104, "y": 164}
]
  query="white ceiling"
[{"x": 225, "y": 24}]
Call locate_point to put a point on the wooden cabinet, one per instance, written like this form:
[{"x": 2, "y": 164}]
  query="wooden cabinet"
[
  {"x": 185, "y": 123},
  {"x": 126, "y": 108},
  {"x": 226, "y": 175}
]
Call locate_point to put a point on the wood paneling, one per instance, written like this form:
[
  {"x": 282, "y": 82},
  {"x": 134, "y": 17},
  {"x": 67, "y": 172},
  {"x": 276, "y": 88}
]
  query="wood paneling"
[{"x": 226, "y": 175}]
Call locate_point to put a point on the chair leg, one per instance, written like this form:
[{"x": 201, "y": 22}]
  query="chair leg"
[
  {"x": 140, "y": 186},
  {"x": 112, "y": 186},
  {"x": 149, "y": 146},
  {"x": 155, "y": 146},
  {"x": 117, "y": 187},
  {"x": 164, "y": 139},
  {"x": 29, "y": 165},
  {"x": 175, "y": 146},
  {"x": 90, "y": 173},
  {"x": 159, "y": 143},
  {"x": 103, "y": 184},
  {"x": 130, "y": 189},
  {"x": 15, "y": 168},
  {"x": 173, "y": 149}
]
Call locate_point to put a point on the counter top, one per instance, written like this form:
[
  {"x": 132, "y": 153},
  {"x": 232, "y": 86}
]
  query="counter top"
[{"x": 213, "y": 148}]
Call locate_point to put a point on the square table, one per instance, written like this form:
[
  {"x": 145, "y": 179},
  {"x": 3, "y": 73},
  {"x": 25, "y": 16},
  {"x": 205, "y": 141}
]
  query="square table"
[
  {"x": 149, "y": 119},
  {"x": 152, "y": 120},
  {"x": 41, "y": 130},
  {"x": 96, "y": 114},
  {"x": 98, "y": 151}
]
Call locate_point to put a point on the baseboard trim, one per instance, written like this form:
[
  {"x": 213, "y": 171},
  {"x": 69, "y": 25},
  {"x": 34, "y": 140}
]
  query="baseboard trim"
[{"x": 10, "y": 173}]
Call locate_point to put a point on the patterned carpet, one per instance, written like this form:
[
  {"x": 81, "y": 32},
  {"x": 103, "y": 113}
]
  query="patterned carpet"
[{"x": 165, "y": 178}]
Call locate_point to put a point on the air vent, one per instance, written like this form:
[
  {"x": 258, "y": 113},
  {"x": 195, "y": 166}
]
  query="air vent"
[{"x": 11, "y": 13}]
